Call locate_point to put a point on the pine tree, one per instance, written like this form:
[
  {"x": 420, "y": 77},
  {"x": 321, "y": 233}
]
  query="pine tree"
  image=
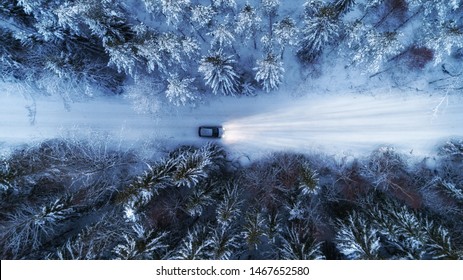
[
  {"x": 196, "y": 245},
  {"x": 270, "y": 7},
  {"x": 343, "y": 6},
  {"x": 298, "y": 243},
  {"x": 411, "y": 235},
  {"x": 453, "y": 148},
  {"x": 221, "y": 36},
  {"x": 273, "y": 227},
  {"x": 180, "y": 91},
  {"x": 7, "y": 175},
  {"x": 441, "y": 26},
  {"x": 224, "y": 3},
  {"x": 441, "y": 246},
  {"x": 219, "y": 72},
  {"x": 229, "y": 209},
  {"x": 309, "y": 182},
  {"x": 161, "y": 51},
  {"x": 321, "y": 28},
  {"x": 144, "y": 188},
  {"x": 141, "y": 244},
  {"x": 451, "y": 190},
  {"x": 46, "y": 21},
  {"x": 29, "y": 227},
  {"x": 92, "y": 242},
  {"x": 189, "y": 47},
  {"x": 297, "y": 209},
  {"x": 357, "y": 239},
  {"x": 202, "y": 15},
  {"x": 373, "y": 48},
  {"x": 105, "y": 19},
  {"x": 269, "y": 72},
  {"x": 253, "y": 228},
  {"x": 198, "y": 201},
  {"x": 123, "y": 58},
  {"x": 191, "y": 169},
  {"x": 443, "y": 38},
  {"x": 224, "y": 243},
  {"x": 285, "y": 32},
  {"x": 248, "y": 23},
  {"x": 248, "y": 89},
  {"x": 172, "y": 9}
]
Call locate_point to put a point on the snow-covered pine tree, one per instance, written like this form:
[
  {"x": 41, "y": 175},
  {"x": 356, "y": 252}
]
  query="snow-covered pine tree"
[
  {"x": 202, "y": 15},
  {"x": 196, "y": 245},
  {"x": 161, "y": 51},
  {"x": 269, "y": 72},
  {"x": 298, "y": 243},
  {"x": 443, "y": 37},
  {"x": 164, "y": 52},
  {"x": 93, "y": 242},
  {"x": 173, "y": 10},
  {"x": 374, "y": 48},
  {"x": 74, "y": 250},
  {"x": 285, "y": 33},
  {"x": 441, "y": 246},
  {"x": 447, "y": 188},
  {"x": 123, "y": 58},
  {"x": 141, "y": 244},
  {"x": 309, "y": 181},
  {"x": 297, "y": 208},
  {"x": 222, "y": 36},
  {"x": 29, "y": 227},
  {"x": 10, "y": 58},
  {"x": 453, "y": 148},
  {"x": 46, "y": 21},
  {"x": 229, "y": 208},
  {"x": 58, "y": 210},
  {"x": 219, "y": 72},
  {"x": 453, "y": 191},
  {"x": 191, "y": 168},
  {"x": 273, "y": 227},
  {"x": 224, "y": 243},
  {"x": 224, "y": 4},
  {"x": 189, "y": 47},
  {"x": 140, "y": 192},
  {"x": 198, "y": 201},
  {"x": 7, "y": 176},
  {"x": 270, "y": 7},
  {"x": 105, "y": 19},
  {"x": 343, "y": 6},
  {"x": 270, "y": 10},
  {"x": 253, "y": 228},
  {"x": 247, "y": 89},
  {"x": 180, "y": 91},
  {"x": 356, "y": 238},
  {"x": 321, "y": 27},
  {"x": 409, "y": 234},
  {"x": 248, "y": 23}
]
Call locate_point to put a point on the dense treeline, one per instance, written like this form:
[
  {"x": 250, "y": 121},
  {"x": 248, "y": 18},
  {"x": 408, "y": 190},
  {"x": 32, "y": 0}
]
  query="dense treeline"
[
  {"x": 186, "y": 48},
  {"x": 64, "y": 199}
]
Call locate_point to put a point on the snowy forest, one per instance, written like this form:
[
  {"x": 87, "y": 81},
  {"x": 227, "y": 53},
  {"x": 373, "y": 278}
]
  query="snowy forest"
[
  {"x": 69, "y": 198},
  {"x": 73, "y": 200}
]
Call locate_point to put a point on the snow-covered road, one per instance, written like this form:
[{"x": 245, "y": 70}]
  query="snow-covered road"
[{"x": 334, "y": 124}]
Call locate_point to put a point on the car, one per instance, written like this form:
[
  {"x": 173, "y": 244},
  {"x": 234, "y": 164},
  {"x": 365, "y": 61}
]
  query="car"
[{"x": 210, "y": 131}]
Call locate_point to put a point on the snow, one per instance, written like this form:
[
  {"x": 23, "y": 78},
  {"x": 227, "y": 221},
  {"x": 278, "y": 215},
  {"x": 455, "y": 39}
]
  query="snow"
[{"x": 304, "y": 122}]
